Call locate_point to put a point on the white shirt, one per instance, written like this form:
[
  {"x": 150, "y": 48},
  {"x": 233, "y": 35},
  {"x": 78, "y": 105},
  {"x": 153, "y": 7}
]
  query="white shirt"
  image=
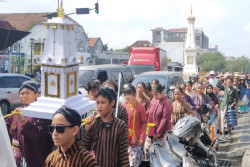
[{"x": 213, "y": 82}]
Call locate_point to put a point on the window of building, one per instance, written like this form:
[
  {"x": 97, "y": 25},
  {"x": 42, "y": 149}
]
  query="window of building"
[
  {"x": 38, "y": 48},
  {"x": 15, "y": 47},
  {"x": 158, "y": 33}
]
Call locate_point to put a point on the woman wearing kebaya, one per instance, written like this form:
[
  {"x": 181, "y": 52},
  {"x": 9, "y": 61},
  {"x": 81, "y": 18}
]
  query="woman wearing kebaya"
[
  {"x": 189, "y": 90},
  {"x": 137, "y": 125},
  {"x": 140, "y": 95},
  {"x": 186, "y": 97},
  {"x": 213, "y": 116},
  {"x": 159, "y": 113},
  {"x": 230, "y": 99},
  {"x": 203, "y": 103},
  {"x": 180, "y": 107}
]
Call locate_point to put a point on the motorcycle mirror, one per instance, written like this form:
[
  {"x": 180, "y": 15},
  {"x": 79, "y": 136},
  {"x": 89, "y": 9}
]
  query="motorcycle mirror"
[{"x": 212, "y": 144}]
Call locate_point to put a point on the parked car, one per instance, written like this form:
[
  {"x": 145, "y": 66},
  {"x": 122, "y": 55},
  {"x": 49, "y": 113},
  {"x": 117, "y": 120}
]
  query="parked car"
[
  {"x": 9, "y": 91},
  {"x": 169, "y": 79},
  {"x": 103, "y": 72}
]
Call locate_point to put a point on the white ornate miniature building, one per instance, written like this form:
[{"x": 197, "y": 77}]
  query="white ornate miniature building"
[{"x": 60, "y": 71}]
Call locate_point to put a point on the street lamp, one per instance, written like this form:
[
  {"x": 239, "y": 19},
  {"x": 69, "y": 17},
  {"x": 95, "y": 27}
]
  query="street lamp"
[
  {"x": 19, "y": 61},
  {"x": 31, "y": 60}
]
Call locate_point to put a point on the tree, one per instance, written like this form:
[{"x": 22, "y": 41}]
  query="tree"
[
  {"x": 213, "y": 61},
  {"x": 241, "y": 64},
  {"x": 126, "y": 49},
  {"x": 105, "y": 47}
]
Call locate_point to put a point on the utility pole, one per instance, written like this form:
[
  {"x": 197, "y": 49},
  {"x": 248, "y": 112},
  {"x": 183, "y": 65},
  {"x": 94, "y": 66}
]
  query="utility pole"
[
  {"x": 19, "y": 57},
  {"x": 31, "y": 55}
]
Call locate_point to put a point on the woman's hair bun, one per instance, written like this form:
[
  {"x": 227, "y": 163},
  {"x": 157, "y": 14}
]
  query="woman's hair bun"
[
  {"x": 159, "y": 88},
  {"x": 163, "y": 86}
]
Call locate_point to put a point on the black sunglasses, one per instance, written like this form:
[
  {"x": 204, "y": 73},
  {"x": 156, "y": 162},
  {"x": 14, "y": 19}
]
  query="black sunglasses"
[{"x": 59, "y": 128}]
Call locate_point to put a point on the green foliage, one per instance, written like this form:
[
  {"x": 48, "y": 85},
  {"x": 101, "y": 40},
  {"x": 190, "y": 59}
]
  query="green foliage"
[
  {"x": 212, "y": 61},
  {"x": 126, "y": 49},
  {"x": 216, "y": 61},
  {"x": 241, "y": 64},
  {"x": 14, "y": 63},
  {"x": 105, "y": 47}
]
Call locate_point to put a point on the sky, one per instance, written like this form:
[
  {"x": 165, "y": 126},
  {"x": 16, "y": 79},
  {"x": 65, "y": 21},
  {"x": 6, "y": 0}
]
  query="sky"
[{"x": 121, "y": 23}]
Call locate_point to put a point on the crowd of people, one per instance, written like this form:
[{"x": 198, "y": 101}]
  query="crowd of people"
[{"x": 121, "y": 134}]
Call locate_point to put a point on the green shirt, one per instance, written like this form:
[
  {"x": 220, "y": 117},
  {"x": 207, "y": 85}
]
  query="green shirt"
[{"x": 230, "y": 96}]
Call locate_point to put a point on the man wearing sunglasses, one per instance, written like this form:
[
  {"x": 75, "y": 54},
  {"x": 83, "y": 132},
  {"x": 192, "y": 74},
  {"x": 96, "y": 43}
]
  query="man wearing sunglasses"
[
  {"x": 106, "y": 137},
  {"x": 65, "y": 126}
]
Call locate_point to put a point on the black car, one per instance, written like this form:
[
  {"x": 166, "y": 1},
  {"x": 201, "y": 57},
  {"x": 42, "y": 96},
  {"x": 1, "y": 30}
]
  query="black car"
[
  {"x": 103, "y": 72},
  {"x": 166, "y": 78}
]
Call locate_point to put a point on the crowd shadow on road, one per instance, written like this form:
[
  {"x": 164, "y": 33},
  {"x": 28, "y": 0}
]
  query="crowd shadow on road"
[{"x": 230, "y": 153}]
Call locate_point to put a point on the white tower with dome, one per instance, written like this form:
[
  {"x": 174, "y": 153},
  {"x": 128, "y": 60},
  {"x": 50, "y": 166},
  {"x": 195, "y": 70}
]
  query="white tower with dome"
[{"x": 190, "y": 62}]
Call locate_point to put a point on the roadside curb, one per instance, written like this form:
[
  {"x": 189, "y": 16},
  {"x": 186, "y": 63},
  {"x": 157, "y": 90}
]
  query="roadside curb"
[{"x": 232, "y": 153}]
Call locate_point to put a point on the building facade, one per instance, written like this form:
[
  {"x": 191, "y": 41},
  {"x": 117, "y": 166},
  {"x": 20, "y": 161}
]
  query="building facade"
[
  {"x": 95, "y": 45},
  {"x": 159, "y": 35},
  {"x": 175, "y": 49},
  {"x": 162, "y": 35}
]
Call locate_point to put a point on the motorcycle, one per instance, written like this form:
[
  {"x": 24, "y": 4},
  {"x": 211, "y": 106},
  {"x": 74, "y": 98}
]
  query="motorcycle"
[
  {"x": 189, "y": 144},
  {"x": 160, "y": 157}
]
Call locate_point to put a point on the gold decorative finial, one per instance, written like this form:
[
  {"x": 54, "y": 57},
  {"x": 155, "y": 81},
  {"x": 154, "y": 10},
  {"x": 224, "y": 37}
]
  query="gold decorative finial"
[{"x": 60, "y": 12}]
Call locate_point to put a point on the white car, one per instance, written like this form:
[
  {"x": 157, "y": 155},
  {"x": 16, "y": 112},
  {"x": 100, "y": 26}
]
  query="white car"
[{"x": 9, "y": 91}]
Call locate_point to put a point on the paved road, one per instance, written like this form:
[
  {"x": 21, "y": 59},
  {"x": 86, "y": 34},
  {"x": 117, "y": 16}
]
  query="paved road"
[{"x": 231, "y": 153}]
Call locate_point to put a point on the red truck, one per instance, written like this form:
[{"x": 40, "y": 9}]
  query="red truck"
[{"x": 143, "y": 59}]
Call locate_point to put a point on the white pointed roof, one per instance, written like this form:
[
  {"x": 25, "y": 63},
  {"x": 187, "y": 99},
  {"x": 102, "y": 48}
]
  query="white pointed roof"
[
  {"x": 60, "y": 47},
  {"x": 190, "y": 40}
]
